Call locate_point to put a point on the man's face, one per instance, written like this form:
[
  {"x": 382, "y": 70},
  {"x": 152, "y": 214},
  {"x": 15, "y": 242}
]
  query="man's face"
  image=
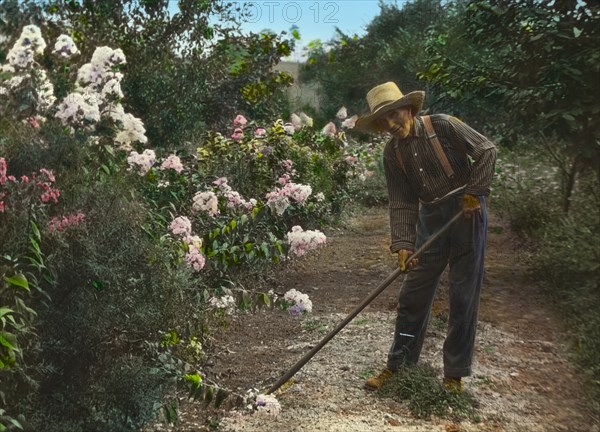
[{"x": 397, "y": 122}]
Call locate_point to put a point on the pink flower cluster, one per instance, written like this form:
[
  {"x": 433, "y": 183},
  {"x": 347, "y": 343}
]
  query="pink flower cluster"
[
  {"x": 172, "y": 162},
  {"x": 59, "y": 224},
  {"x": 194, "y": 258},
  {"x": 182, "y": 227},
  {"x": 142, "y": 162},
  {"x": 43, "y": 180},
  {"x": 234, "y": 199},
  {"x": 239, "y": 123},
  {"x": 3, "y": 171},
  {"x": 301, "y": 241},
  {"x": 279, "y": 200}
]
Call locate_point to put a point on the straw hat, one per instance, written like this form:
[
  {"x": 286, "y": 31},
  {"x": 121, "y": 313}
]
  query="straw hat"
[{"x": 385, "y": 98}]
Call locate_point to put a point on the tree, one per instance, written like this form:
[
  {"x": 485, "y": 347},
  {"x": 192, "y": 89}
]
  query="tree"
[
  {"x": 391, "y": 50},
  {"x": 538, "y": 63}
]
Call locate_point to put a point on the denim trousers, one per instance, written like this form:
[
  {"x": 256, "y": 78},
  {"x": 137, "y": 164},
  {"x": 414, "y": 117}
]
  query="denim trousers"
[{"x": 462, "y": 246}]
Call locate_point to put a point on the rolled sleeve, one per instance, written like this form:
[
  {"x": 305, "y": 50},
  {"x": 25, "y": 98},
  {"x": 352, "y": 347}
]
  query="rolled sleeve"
[{"x": 482, "y": 153}]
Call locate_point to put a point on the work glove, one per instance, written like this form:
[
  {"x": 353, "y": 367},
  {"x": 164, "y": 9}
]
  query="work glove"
[
  {"x": 403, "y": 255},
  {"x": 470, "y": 205}
]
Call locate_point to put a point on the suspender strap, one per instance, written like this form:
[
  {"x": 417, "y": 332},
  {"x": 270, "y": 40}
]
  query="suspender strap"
[{"x": 437, "y": 147}]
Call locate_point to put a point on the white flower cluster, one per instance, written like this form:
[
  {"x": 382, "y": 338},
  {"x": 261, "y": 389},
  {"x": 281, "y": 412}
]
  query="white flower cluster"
[
  {"x": 300, "y": 303},
  {"x": 98, "y": 93},
  {"x": 181, "y": 226},
  {"x": 300, "y": 121},
  {"x": 77, "y": 108},
  {"x": 226, "y": 303},
  {"x": 29, "y": 44},
  {"x": 65, "y": 47},
  {"x": 268, "y": 405},
  {"x": 21, "y": 68},
  {"x": 206, "y": 202},
  {"x": 301, "y": 241},
  {"x": 142, "y": 162}
]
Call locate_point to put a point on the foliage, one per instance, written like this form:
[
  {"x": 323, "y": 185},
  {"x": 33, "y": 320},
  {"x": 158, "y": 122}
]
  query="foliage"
[
  {"x": 565, "y": 252},
  {"x": 185, "y": 73},
  {"x": 567, "y": 260},
  {"x": 532, "y": 59},
  {"x": 144, "y": 252},
  {"x": 525, "y": 192},
  {"x": 348, "y": 66},
  {"x": 419, "y": 386}
]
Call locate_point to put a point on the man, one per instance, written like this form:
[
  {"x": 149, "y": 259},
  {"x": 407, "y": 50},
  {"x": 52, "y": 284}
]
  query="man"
[{"x": 435, "y": 166}]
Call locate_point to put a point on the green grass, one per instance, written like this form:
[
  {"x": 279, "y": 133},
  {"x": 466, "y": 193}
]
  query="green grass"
[
  {"x": 420, "y": 388},
  {"x": 315, "y": 325}
]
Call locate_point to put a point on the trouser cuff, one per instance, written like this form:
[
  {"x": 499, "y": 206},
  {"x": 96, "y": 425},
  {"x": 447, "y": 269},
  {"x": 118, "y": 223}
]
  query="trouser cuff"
[{"x": 457, "y": 373}]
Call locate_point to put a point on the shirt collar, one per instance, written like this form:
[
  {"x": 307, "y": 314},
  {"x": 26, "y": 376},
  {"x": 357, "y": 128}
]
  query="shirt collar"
[
  {"x": 418, "y": 127},
  {"x": 417, "y": 132}
]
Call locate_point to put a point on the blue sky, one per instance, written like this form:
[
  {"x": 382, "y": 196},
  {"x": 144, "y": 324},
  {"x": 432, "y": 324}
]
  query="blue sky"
[{"x": 315, "y": 19}]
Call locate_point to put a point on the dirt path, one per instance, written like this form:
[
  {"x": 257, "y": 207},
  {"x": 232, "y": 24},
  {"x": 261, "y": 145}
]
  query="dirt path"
[{"x": 522, "y": 378}]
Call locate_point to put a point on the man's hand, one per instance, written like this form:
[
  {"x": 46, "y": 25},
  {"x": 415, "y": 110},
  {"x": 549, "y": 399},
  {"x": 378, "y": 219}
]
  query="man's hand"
[
  {"x": 470, "y": 205},
  {"x": 403, "y": 255}
]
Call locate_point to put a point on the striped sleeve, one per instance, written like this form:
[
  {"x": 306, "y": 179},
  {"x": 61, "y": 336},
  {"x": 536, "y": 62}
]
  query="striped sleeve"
[
  {"x": 403, "y": 203},
  {"x": 482, "y": 152}
]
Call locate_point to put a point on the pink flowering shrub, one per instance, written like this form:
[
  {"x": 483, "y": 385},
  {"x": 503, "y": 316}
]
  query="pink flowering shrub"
[
  {"x": 62, "y": 223},
  {"x": 21, "y": 191}
]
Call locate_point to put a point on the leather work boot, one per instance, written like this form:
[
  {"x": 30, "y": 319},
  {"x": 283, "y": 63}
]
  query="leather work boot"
[
  {"x": 454, "y": 385},
  {"x": 376, "y": 382}
]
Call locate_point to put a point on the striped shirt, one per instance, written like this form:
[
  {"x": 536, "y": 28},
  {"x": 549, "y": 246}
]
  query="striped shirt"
[{"x": 422, "y": 178}]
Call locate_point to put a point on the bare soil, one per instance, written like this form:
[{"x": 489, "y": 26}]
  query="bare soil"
[{"x": 523, "y": 379}]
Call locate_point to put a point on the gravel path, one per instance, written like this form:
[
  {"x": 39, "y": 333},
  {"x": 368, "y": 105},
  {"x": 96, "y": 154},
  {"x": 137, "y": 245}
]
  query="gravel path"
[{"x": 522, "y": 378}]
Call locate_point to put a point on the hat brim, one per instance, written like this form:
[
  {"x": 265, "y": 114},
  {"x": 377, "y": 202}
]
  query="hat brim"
[{"x": 368, "y": 122}]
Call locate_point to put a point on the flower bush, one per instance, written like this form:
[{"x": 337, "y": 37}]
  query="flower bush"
[{"x": 141, "y": 241}]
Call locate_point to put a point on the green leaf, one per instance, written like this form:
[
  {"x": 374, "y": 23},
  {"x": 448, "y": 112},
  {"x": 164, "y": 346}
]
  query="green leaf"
[
  {"x": 18, "y": 280},
  {"x": 266, "y": 299},
  {"x": 36, "y": 231},
  {"x": 171, "y": 413},
  {"x": 8, "y": 344},
  {"x": 98, "y": 285},
  {"x": 36, "y": 246},
  {"x": 576, "y": 32},
  {"x": 246, "y": 302},
  {"x": 16, "y": 423},
  {"x": 5, "y": 310},
  {"x": 105, "y": 169},
  {"x": 296, "y": 33},
  {"x": 208, "y": 396},
  {"x": 220, "y": 397},
  {"x": 194, "y": 378}
]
